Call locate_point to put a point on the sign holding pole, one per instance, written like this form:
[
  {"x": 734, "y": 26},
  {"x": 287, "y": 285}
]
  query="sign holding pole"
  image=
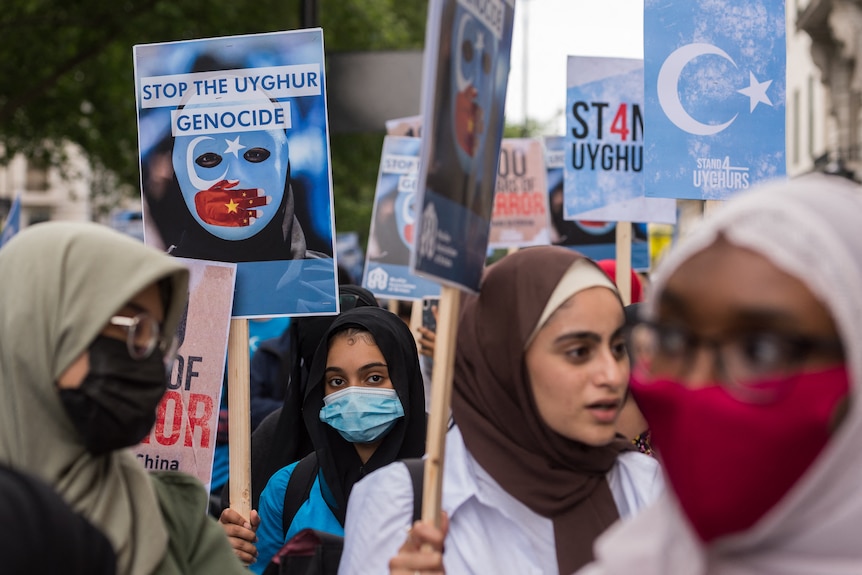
[
  {"x": 467, "y": 58},
  {"x": 235, "y": 167}
]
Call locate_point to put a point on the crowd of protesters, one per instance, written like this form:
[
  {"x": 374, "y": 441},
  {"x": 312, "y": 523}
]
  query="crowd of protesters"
[{"x": 734, "y": 383}]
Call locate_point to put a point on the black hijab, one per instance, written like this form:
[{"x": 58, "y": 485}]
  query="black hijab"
[{"x": 339, "y": 462}]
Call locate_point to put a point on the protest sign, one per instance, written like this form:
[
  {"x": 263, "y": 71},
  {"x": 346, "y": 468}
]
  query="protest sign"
[
  {"x": 715, "y": 96},
  {"x": 411, "y": 126},
  {"x": 234, "y": 152},
  {"x": 520, "y": 216},
  {"x": 466, "y": 68},
  {"x": 12, "y": 225},
  {"x": 393, "y": 221},
  {"x": 604, "y": 144},
  {"x": 465, "y": 72},
  {"x": 183, "y": 438},
  {"x": 594, "y": 239}
]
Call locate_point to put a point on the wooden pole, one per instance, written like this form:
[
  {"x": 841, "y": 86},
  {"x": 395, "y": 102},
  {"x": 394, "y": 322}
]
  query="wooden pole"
[
  {"x": 416, "y": 319},
  {"x": 393, "y": 306},
  {"x": 624, "y": 261},
  {"x": 239, "y": 418},
  {"x": 441, "y": 398}
]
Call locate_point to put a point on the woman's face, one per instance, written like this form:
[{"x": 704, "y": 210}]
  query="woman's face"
[
  {"x": 148, "y": 301},
  {"x": 355, "y": 360},
  {"x": 758, "y": 316},
  {"x": 579, "y": 369}
]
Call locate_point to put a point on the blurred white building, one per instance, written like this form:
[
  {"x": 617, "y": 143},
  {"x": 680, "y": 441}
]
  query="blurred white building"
[
  {"x": 47, "y": 193},
  {"x": 810, "y": 128},
  {"x": 835, "y": 31}
]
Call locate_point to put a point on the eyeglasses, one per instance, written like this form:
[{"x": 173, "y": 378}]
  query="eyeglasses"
[
  {"x": 143, "y": 335},
  {"x": 743, "y": 359}
]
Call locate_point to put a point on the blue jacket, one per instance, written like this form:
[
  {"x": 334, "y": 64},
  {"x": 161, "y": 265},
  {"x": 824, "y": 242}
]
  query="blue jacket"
[{"x": 314, "y": 513}]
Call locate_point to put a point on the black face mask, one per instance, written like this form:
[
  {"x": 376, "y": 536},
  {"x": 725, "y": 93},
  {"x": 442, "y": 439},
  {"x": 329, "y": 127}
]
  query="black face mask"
[{"x": 115, "y": 406}]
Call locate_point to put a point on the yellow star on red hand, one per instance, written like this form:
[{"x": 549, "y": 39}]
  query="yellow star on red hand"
[{"x": 231, "y": 207}]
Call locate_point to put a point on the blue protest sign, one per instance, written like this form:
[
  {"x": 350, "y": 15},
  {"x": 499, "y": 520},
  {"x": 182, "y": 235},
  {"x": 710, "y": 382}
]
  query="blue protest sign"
[
  {"x": 393, "y": 225},
  {"x": 604, "y": 143},
  {"x": 12, "y": 225},
  {"x": 466, "y": 69},
  {"x": 234, "y": 151},
  {"x": 715, "y": 96},
  {"x": 594, "y": 239}
]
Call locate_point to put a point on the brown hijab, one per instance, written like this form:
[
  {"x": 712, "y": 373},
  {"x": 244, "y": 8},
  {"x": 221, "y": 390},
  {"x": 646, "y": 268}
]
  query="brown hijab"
[{"x": 494, "y": 407}]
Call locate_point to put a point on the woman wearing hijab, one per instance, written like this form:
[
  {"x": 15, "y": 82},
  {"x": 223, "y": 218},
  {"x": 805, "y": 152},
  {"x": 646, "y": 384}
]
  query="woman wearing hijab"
[
  {"x": 534, "y": 471},
  {"x": 751, "y": 370},
  {"x": 87, "y": 317},
  {"x": 364, "y": 408}
]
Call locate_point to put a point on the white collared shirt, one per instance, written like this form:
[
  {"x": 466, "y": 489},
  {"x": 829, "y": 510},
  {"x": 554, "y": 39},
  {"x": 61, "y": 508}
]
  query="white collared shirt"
[{"x": 489, "y": 530}]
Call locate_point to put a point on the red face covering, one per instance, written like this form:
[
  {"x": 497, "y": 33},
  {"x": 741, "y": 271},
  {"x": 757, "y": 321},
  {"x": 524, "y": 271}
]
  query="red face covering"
[{"x": 729, "y": 462}]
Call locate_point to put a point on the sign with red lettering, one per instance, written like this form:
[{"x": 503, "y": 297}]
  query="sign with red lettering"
[
  {"x": 520, "y": 215},
  {"x": 604, "y": 153},
  {"x": 183, "y": 438}
]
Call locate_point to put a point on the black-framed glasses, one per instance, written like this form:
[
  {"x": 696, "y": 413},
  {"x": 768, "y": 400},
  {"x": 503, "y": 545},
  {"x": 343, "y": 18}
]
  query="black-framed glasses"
[
  {"x": 144, "y": 335},
  {"x": 744, "y": 360}
]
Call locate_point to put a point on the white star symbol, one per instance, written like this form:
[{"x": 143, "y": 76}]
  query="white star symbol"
[
  {"x": 756, "y": 92},
  {"x": 233, "y": 147},
  {"x": 480, "y": 42}
]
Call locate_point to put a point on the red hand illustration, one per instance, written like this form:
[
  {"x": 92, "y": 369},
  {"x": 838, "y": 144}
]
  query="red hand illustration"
[
  {"x": 225, "y": 205},
  {"x": 469, "y": 120}
]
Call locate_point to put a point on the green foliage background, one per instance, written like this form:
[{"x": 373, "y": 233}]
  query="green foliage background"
[{"x": 68, "y": 76}]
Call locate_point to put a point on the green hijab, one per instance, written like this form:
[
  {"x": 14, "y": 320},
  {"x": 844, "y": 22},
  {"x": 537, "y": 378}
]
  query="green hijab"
[{"x": 61, "y": 282}]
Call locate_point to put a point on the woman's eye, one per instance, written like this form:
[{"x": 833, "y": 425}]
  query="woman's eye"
[
  {"x": 763, "y": 350},
  {"x": 619, "y": 349},
  {"x": 256, "y": 155},
  {"x": 578, "y": 353},
  {"x": 208, "y": 160},
  {"x": 335, "y": 382},
  {"x": 376, "y": 379},
  {"x": 672, "y": 342}
]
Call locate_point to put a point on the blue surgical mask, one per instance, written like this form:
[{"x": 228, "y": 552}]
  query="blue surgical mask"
[{"x": 362, "y": 414}]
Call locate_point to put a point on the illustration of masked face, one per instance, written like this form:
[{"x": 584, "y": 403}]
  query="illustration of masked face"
[
  {"x": 233, "y": 183},
  {"x": 405, "y": 217},
  {"x": 473, "y": 51}
]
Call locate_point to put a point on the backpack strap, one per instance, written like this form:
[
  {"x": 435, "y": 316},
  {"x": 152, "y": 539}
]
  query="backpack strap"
[
  {"x": 416, "y": 469},
  {"x": 298, "y": 489}
]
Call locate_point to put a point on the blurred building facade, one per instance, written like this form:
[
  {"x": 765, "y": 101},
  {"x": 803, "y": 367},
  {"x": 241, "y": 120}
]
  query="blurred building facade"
[
  {"x": 834, "y": 32},
  {"x": 47, "y": 192}
]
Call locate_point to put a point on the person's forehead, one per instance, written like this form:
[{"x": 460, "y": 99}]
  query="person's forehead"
[{"x": 725, "y": 282}]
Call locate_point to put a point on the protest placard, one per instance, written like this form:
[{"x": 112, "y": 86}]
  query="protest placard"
[
  {"x": 390, "y": 240},
  {"x": 234, "y": 152},
  {"x": 594, "y": 239},
  {"x": 604, "y": 143},
  {"x": 12, "y": 223},
  {"x": 520, "y": 216},
  {"x": 465, "y": 73},
  {"x": 466, "y": 68},
  {"x": 184, "y": 435},
  {"x": 410, "y": 126},
  {"x": 715, "y": 96}
]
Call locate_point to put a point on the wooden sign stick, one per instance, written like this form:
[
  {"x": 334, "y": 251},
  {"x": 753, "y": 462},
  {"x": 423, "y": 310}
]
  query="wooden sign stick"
[
  {"x": 624, "y": 261},
  {"x": 239, "y": 417},
  {"x": 441, "y": 398}
]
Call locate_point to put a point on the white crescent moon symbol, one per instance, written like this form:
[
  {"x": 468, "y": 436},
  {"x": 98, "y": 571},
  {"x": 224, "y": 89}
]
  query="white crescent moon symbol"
[
  {"x": 196, "y": 180},
  {"x": 668, "y": 88},
  {"x": 463, "y": 82}
]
